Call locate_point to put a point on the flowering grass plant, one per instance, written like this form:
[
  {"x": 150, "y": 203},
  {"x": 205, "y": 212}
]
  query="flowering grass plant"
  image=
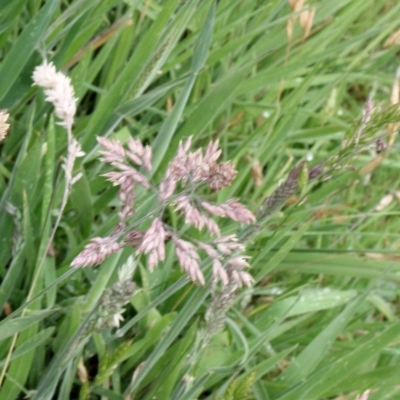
[
  {"x": 199, "y": 200},
  {"x": 190, "y": 170}
]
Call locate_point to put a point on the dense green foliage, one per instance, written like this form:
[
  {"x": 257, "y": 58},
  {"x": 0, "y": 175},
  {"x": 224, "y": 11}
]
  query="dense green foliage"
[{"x": 321, "y": 320}]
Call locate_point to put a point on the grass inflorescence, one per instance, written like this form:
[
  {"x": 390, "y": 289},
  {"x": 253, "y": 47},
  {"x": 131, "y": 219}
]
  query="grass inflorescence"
[{"x": 199, "y": 200}]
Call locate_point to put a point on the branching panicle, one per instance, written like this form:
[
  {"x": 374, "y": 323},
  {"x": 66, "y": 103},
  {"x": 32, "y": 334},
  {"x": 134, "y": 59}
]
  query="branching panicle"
[{"x": 186, "y": 171}]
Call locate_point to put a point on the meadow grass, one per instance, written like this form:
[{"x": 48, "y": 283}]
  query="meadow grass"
[{"x": 303, "y": 98}]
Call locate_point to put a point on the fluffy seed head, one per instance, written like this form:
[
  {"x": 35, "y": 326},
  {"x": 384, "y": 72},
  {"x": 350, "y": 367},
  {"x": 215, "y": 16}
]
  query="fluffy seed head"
[
  {"x": 221, "y": 175},
  {"x": 230, "y": 209},
  {"x": 58, "y": 90},
  {"x": 189, "y": 260},
  {"x": 134, "y": 238},
  {"x": 219, "y": 272},
  {"x": 96, "y": 252},
  {"x": 139, "y": 154},
  {"x": 153, "y": 244},
  {"x": 113, "y": 150},
  {"x": 194, "y": 217},
  {"x": 3, "y": 124}
]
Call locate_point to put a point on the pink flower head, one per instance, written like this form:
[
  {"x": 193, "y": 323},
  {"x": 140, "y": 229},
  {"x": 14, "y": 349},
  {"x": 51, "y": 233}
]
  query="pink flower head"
[{"x": 153, "y": 243}]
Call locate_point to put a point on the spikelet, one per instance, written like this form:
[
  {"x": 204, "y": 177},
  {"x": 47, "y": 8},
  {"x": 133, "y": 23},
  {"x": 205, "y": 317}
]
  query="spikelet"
[{"x": 3, "y": 124}]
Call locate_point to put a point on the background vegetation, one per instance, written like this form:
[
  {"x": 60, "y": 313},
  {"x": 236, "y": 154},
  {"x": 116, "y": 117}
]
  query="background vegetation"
[{"x": 322, "y": 321}]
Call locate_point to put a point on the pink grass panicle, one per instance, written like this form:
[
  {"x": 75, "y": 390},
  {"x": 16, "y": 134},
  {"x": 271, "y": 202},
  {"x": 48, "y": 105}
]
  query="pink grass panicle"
[
  {"x": 115, "y": 154},
  {"x": 96, "y": 251},
  {"x": 184, "y": 174},
  {"x": 195, "y": 217},
  {"x": 127, "y": 198},
  {"x": 226, "y": 250},
  {"x": 189, "y": 259},
  {"x": 196, "y": 167},
  {"x": 153, "y": 244},
  {"x": 231, "y": 209}
]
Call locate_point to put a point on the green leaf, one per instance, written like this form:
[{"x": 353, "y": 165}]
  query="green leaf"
[
  {"x": 163, "y": 140},
  {"x": 81, "y": 201},
  {"x": 144, "y": 52},
  {"x": 29, "y": 234},
  {"x": 312, "y": 355},
  {"x": 16, "y": 325},
  {"x": 186, "y": 313},
  {"x": 31, "y": 343},
  {"x": 323, "y": 379},
  {"x": 13, "y": 277},
  {"x": 103, "y": 277},
  {"x": 169, "y": 368},
  {"x": 23, "y": 48},
  {"x": 277, "y": 258},
  {"x": 203, "y": 43}
]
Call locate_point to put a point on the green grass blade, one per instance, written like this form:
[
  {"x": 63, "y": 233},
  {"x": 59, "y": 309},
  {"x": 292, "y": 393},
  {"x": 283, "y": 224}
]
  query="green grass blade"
[{"x": 23, "y": 48}]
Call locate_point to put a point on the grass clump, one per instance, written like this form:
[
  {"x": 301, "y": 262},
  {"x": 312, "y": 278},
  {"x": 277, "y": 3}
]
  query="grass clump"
[{"x": 264, "y": 264}]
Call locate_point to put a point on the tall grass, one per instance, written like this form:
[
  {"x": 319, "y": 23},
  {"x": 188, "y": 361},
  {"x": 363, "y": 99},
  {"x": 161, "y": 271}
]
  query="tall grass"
[{"x": 303, "y": 100}]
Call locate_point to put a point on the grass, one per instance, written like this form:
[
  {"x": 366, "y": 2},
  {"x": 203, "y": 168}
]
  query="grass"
[{"x": 321, "y": 321}]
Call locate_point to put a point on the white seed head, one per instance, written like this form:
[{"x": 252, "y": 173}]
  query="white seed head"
[{"x": 58, "y": 90}]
